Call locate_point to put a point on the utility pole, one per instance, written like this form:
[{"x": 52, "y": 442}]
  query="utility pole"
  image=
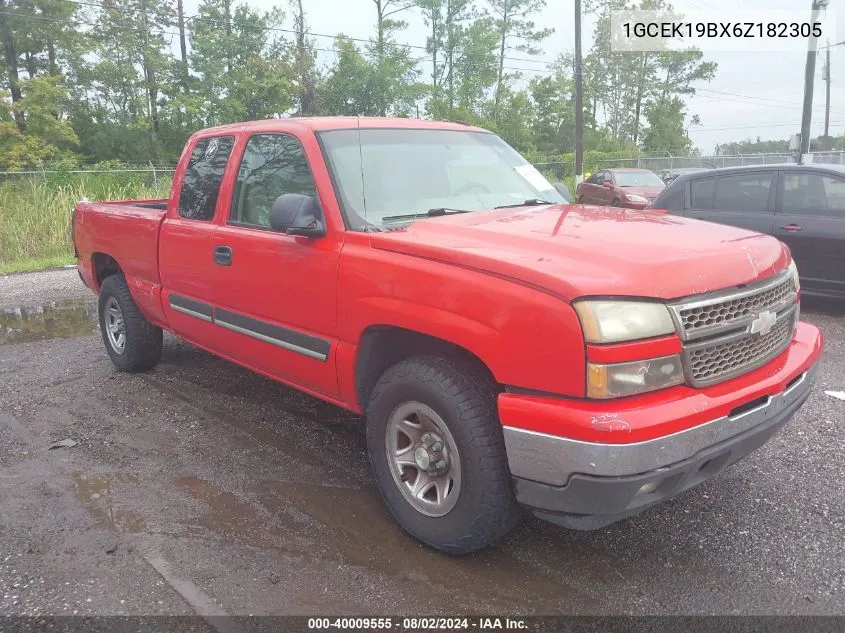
[
  {"x": 809, "y": 72},
  {"x": 183, "y": 48},
  {"x": 826, "y": 77},
  {"x": 579, "y": 99}
]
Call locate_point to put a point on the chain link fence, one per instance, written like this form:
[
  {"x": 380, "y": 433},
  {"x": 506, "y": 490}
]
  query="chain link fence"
[
  {"x": 671, "y": 162},
  {"x": 150, "y": 176}
]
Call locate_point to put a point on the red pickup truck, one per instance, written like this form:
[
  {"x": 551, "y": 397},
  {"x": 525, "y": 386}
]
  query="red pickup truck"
[{"x": 506, "y": 350}]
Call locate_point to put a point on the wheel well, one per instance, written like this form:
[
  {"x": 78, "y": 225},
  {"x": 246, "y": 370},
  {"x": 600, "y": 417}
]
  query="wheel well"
[
  {"x": 382, "y": 346},
  {"x": 104, "y": 265}
]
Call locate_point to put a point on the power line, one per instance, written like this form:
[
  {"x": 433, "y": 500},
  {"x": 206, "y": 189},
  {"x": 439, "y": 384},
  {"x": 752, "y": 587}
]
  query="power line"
[
  {"x": 753, "y": 127},
  {"x": 751, "y": 100},
  {"x": 337, "y": 36}
]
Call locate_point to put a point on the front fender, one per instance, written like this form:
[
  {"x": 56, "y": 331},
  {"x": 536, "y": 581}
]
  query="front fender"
[{"x": 527, "y": 338}]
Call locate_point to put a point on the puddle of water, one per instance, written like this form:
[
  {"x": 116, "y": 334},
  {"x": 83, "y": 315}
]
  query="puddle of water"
[
  {"x": 354, "y": 527},
  {"x": 363, "y": 532},
  {"x": 57, "y": 319},
  {"x": 96, "y": 494}
]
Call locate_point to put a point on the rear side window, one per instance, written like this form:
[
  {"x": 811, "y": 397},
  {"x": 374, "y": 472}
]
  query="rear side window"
[
  {"x": 701, "y": 193},
  {"x": 743, "y": 192},
  {"x": 203, "y": 176}
]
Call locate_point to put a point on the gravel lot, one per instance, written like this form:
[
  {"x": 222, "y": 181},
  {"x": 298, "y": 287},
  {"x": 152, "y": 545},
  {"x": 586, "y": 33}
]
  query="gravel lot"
[{"x": 203, "y": 487}]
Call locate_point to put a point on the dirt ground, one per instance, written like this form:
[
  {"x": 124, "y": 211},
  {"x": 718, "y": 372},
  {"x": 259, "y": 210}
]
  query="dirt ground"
[{"x": 203, "y": 488}]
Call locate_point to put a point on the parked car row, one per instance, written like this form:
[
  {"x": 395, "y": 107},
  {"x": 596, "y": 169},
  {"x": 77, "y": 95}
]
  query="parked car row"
[{"x": 801, "y": 205}]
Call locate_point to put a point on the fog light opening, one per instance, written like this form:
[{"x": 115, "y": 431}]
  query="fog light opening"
[{"x": 647, "y": 489}]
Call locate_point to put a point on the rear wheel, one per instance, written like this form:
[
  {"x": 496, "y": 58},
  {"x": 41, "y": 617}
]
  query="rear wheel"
[
  {"x": 132, "y": 342},
  {"x": 438, "y": 454}
]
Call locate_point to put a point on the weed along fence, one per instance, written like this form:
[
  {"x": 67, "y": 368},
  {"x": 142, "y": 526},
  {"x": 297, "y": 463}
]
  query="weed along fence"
[
  {"x": 35, "y": 208},
  {"x": 96, "y": 179}
]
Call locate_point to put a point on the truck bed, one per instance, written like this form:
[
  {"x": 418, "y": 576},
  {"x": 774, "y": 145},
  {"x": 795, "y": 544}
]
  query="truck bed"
[{"x": 125, "y": 229}]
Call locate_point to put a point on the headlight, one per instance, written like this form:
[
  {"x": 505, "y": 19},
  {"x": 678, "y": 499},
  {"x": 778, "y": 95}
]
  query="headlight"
[
  {"x": 628, "y": 379},
  {"x": 632, "y": 197},
  {"x": 615, "y": 321},
  {"x": 793, "y": 269}
]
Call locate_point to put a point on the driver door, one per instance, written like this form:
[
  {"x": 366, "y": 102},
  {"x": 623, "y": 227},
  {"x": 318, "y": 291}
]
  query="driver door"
[
  {"x": 591, "y": 189},
  {"x": 276, "y": 294}
]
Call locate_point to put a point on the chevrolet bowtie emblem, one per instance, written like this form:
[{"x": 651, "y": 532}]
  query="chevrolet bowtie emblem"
[{"x": 764, "y": 322}]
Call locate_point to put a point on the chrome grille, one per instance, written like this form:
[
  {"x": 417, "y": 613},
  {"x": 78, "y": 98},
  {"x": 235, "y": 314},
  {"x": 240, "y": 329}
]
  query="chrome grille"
[
  {"x": 710, "y": 315},
  {"x": 713, "y": 363},
  {"x": 719, "y": 331}
]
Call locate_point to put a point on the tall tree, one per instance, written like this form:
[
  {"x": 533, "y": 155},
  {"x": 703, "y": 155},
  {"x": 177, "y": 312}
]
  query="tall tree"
[
  {"x": 554, "y": 110},
  {"x": 131, "y": 56},
  {"x": 246, "y": 71},
  {"x": 8, "y": 25},
  {"x": 666, "y": 132},
  {"x": 517, "y": 32},
  {"x": 446, "y": 42},
  {"x": 396, "y": 70},
  {"x": 305, "y": 62},
  {"x": 48, "y": 137}
]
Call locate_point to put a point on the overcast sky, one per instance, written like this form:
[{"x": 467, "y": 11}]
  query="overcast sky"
[{"x": 753, "y": 94}]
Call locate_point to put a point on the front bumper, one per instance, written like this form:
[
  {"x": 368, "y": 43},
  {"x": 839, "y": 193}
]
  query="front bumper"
[
  {"x": 639, "y": 206},
  {"x": 587, "y": 485}
]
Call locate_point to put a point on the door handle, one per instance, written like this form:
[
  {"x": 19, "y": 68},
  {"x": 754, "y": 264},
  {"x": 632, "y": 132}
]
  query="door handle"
[
  {"x": 791, "y": 227},
  {"x": 223, "y": 255}
]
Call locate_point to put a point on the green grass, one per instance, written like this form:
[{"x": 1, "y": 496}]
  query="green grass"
[
  {"x": 35, "y": 214},
  {"x": 29, "y": 265}
]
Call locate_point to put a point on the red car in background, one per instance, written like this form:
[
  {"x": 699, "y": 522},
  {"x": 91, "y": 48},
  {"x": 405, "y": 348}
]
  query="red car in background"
[{"x": 621, "y": 187}]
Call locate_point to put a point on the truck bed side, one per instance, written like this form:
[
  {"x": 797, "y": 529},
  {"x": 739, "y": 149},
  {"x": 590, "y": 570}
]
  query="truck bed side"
[{"x": 126, "y": 232}]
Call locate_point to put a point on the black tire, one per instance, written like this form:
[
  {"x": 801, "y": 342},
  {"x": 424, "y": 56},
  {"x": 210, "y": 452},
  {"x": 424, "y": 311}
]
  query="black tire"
[
  {"x": 616, "y": 203},
  {"x": 142, "y": 349},
  {"x": 465, "y": 398},
  {"x": 580, "y": 200}
]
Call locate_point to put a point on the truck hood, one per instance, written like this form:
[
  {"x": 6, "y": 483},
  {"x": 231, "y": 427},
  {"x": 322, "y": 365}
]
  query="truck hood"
[{"x": 575, "y": 251}]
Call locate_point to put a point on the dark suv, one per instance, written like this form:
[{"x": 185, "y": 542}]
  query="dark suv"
[{"x": 801, "y": 205}]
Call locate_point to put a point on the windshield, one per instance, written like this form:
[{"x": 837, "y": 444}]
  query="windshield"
[
  {"x": 405, "y": 172},
  {"x": 638, "y": 179}
]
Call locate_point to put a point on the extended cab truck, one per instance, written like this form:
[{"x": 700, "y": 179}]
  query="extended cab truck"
[{"x": 504, "y": 349}]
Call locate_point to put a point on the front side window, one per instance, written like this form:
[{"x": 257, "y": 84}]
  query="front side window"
[
  {"x": 813, "y": 194},
  {"x": 385, "y": 176},
  {"x": 743, "y": 192},
  {"x": 272, "y": 165},
  {"x": 203, "y": 175},
  {"x": 597, "y": 179}
]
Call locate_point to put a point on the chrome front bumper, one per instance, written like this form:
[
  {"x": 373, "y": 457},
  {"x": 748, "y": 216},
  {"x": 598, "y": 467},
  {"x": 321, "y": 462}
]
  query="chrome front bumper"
[
  {"x": 553, "y": 460},
  {"x": 586, "y": 485}
]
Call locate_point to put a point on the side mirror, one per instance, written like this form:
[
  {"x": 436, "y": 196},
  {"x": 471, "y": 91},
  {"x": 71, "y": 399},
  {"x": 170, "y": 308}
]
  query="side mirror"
[
  {"x": 563, "y": 190},
  {"x": 297, "y": 214},
  {"x": 607, "y": 184}
]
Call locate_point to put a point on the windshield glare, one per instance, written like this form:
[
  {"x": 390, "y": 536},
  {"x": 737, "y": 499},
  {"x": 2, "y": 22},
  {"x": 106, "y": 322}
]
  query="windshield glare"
[
  {"x": 638, "y": 179},
  {"x": 396, "y": 172}
]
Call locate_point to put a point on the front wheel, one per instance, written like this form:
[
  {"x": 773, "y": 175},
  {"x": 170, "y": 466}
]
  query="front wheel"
[
  {"x": 133, "y": 343},
  {"x": 438, "y": 454}
]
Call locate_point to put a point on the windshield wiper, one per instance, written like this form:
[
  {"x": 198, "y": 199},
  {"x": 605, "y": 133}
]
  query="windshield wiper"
[
  {"x": 531, "y": 202},
  {"x": 431, "y": 213}
]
